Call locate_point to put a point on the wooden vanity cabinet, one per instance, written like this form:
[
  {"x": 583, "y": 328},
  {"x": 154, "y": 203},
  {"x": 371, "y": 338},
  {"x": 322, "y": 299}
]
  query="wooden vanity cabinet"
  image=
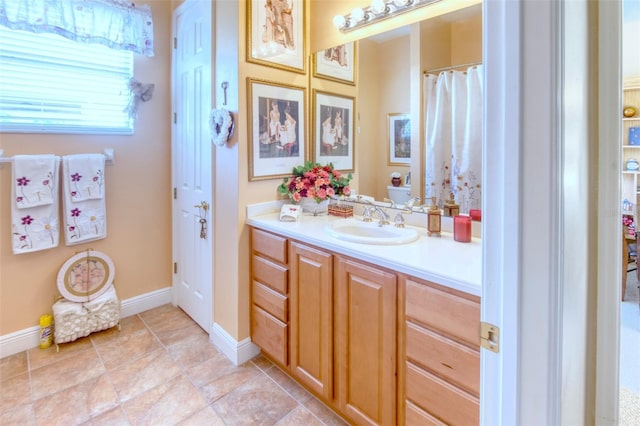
[{"x": 441, "y": 369}]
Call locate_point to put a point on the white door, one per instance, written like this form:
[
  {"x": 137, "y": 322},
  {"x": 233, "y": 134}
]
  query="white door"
[{"x": 192, "y": 245}]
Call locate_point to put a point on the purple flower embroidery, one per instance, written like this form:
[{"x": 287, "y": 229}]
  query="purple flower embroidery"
[
  {"x": 19, "y": 199},
  {"x": 95, "y": 178},
  {"x": 23, "y": 181},
  {"x": 74, "y": 193},
  {"x": 26, "y": 220},
  {"x": 45, "y": 182},
  {"x": 76, "y": 177},
  {"x": 23, "y": 237},
  {"x": 76, "y": 212}
]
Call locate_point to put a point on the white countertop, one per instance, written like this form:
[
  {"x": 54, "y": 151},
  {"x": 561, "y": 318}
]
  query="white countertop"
[{"x": 437, "y": 259}]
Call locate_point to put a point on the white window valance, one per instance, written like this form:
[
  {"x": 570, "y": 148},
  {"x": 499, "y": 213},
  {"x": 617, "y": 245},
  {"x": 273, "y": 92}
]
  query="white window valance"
[{"x": 118, "y": 24}]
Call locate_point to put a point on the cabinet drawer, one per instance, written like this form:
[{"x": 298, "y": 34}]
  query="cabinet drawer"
[
  {"x": 270, "y": 300},
  {"x": 270, "y": 334},
  {"x": 414, "y": 416},
  {"x": 455, "y": 362},
  {"x": 270, "y": 274},
  {"x": 453, "y": 315},
  {"x": 441, "y": 399},
  {"x": 269, "y": 245}
]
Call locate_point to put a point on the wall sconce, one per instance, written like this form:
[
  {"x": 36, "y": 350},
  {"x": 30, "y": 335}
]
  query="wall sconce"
[{"x": 377, "y": 11}]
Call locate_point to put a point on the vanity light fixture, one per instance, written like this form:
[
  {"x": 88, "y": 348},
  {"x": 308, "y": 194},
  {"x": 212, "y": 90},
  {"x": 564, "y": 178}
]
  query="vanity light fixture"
[{"x": 377, "y": 11}]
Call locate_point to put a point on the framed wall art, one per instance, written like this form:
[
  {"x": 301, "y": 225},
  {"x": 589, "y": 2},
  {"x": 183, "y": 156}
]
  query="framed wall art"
[
  {"x": 85, "y": 276},
  {"x": 276, "y": 128},
  {"x": 399, "y": 135},
  {"x": 337, "y": 63},
  {"x": 275, "y": 34},
  {"x": 333, "y": 130}
]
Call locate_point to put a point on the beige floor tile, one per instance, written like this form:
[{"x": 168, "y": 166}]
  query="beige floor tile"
[
  {"x": 324, "y": 413},
  {"x": 206, "y": 416},
  {"x": 128, "y": 326},
  {"x": 142, "y": 374},
  {"x": 217, "y": 376},
  {"x": 13, "y": 365},
  {"x": 65, "y": 373},
  {"x": 262, "y": 362},
  {"x": 164, "y": 317},
  {"x": 168, "y": 403},
  {"x": 41, "y": 357},
  {"x": 170, "y": 336},
  {"x": 299, "y": 393},
  {"x": 192, "y": 350},
  {"x": 299, "y": 416},
  {"x": 113, "y": 417},
  {"x": 19, "y": 416},
  {"x": 125, "y": 348},
  {"x": 259, "y": 401},
  {"x": 14, "y": 392},
  {"x": 78, "y": 403}
]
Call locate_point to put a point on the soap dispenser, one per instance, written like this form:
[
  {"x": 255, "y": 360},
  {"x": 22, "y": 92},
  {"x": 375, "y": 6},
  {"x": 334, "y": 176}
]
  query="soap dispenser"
[
  {"x": 434, "y": 219},
  {"x": 451, "y": 209}
]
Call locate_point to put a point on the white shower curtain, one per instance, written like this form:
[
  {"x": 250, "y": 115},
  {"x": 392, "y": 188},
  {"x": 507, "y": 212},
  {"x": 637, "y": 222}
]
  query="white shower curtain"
[{"x": 453, "y": 126}]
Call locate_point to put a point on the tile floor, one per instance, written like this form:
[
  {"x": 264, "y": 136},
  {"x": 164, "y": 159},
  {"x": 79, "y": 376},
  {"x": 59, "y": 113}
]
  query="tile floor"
[{"x": 160, "y": 369}]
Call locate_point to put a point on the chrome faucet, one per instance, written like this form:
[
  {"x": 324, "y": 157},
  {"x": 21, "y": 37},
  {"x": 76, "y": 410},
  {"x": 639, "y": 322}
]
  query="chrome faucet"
[
  {"x": 383, "y": 216},
  {"x": 409, "y": 204},
  {"x": 392, "y": 204}
]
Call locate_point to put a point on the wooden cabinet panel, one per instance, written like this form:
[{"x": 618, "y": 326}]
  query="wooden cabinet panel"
[
  {"x": 269, "y": 245},
  {"x": 456, "y": 316},
  {"x": 270, "y": 334},
  {"x": 418, "y": 417},
  {"x": 365, "y": 342},
  {"x": 270, "y": 300},
  {"x": 311, "y": 340},
  {"x": 270, "y": 274},
  {"x": 443, "y": 400},
  {"x": 455, "y": 362}
]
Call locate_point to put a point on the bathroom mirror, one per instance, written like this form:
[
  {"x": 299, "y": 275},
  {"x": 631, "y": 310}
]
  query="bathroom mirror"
[{"x": 384, "y": 89}]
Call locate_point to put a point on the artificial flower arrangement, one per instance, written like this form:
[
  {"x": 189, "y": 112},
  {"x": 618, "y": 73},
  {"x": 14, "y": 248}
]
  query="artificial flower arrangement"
[{"x": 313, "y": 180}]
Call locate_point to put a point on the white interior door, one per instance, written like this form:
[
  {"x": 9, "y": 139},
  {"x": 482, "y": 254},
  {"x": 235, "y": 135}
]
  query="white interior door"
[{"x": 192, "y": 248}]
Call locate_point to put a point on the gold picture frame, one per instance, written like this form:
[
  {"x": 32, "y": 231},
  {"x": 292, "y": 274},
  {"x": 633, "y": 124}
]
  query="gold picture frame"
[
  {"x": 399, "y": 138},
  {"x": 275, "y": 34},
  {"x": 334, "y": 130},
  {"x": 337, "y": 63},
  {"x": 277, "y": 128}
]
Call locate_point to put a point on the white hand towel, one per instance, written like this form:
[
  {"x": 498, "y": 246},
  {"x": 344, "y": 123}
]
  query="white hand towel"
[
  {"x": 85, "y": 176},
  {"x": 35, "y": 228},
  {"x": 84, "y": 220},
  {"x": 33, "y": 180}
]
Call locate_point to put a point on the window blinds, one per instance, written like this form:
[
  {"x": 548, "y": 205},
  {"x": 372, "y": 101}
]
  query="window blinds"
[{"x": 54, "y": 85}]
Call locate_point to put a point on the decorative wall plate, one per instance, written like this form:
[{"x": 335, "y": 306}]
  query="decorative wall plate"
[{"x": 85, "y": 276}]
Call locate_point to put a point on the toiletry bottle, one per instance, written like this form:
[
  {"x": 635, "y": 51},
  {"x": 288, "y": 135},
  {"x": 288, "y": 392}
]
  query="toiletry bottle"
[
  {"x": 451, "y": 209},
  {"x": 434, "y": 219}
]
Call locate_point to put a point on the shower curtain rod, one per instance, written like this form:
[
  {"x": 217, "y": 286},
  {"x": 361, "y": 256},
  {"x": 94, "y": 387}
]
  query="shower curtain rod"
[{"x": 470, "y": 64}]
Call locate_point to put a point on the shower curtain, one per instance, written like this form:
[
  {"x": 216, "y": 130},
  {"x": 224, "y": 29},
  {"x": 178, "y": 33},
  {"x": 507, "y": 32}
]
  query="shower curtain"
[{"x": 453, "y": 126}]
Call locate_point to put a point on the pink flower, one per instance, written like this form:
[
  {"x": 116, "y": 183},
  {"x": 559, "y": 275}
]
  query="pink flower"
[
  {"x": 296, "y": 197},
  {"x": 321, "y": 193},
  {"x": 346, "y": 191}
]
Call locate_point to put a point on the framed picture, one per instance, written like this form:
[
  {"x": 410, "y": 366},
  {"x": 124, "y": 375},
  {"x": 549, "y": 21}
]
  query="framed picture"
[
  {"x": 333, "y": 129},
  {"x": 276, "y": 34},
  {"x": 85, "y": 276},
  {"x": 337, "y": 63},
  {"x": 276, "y": 128},
  {"x": 399, "y": 133}
]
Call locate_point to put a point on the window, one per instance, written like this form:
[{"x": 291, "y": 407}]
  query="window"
[{"x": 49, "y": 84}]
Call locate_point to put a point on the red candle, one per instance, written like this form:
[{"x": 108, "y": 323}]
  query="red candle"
[
  {"x": 476, "y": 214},
  {"x": 462, "y": 229}
]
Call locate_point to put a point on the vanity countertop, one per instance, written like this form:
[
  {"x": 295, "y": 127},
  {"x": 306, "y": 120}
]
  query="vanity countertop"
[{"x": 440, "y": 260}]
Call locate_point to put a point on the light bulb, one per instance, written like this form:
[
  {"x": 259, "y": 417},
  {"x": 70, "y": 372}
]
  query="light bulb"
[
  {"x": 339, "y": 21},
  {"x": 378, "y": 6},
  {"x": 357, "y": 14}
]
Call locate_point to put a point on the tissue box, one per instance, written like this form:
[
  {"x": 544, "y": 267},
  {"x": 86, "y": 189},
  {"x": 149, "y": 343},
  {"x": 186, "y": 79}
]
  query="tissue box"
[
  {"x": 634, "y": 135},
  {"x": 340, "y": 210}
]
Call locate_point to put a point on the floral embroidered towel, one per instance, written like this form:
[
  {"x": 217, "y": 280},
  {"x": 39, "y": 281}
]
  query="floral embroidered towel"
[
  {"x": 34, "y": 228},
  {"x": 33, "y": 180},
  {"x": 85, "y": 176},
  {"x": 84, "y": 220}
]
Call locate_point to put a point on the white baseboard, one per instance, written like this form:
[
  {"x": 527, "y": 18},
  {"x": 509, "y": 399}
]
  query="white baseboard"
[
  {"x": 29, "y": 338},
  {"x": 237, "y": 352}
]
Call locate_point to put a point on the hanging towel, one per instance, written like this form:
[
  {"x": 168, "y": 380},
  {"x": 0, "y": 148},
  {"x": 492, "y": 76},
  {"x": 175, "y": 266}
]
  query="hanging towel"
[
  {"x": 34, "y": 227},
  {"x": 85, "y": 177},
  {"x": 33, "y": 180},
  {"x": 84, "y": 220}
]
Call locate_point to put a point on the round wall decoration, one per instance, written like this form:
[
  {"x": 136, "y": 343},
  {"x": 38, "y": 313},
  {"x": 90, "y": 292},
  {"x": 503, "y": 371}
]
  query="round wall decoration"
[
  {"x": 220, "y": 126},
  {"x": 85, "y": 276}
]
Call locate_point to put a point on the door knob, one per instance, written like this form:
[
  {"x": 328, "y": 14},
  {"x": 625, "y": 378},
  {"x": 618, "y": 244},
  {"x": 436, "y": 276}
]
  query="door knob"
[{"x": 203, "y": 205}]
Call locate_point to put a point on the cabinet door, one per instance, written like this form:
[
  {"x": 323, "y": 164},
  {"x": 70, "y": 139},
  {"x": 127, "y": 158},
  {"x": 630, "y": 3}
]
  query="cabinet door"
[
  {"x": 366, "y": 342},
  {"x": 311, "y": 324}
]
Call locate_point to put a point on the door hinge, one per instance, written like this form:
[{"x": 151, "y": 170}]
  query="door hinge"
[
  {"x": 490, "y": 337},
  {"x": 175, "y": 267},
  {"x": 175, "y": 118},
  {"x": 175, "y": 193},
  {"x": 175, "y": 42}
]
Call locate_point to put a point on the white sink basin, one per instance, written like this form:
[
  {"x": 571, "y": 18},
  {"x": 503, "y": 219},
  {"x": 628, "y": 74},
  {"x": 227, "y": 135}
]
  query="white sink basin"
[{"x": 357, "y": 231}]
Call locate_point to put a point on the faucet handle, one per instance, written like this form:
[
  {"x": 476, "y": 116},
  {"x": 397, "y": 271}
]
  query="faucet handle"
[
  {"x": 392, "y": 204},
  {"x": 399, "y": 219},
  {"x": 366, "y": 214}
]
